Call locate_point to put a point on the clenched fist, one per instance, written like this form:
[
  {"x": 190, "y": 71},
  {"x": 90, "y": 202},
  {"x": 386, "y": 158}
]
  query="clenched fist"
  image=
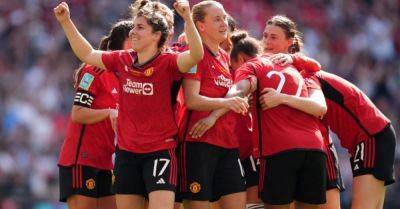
[
  {"x": 62, "y": 12},
  {"x": 182, "y": 7}
]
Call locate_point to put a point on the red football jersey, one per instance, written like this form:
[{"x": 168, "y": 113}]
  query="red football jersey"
[
  {"x": 301, "y": 62},
  {"x": 351, "y": 114},
  {"x": 213, "y": 73},
  {"x": 243, "y": 132},
  {"x": 146, "y": 120},
  {"x": 282, "y": 128},
  {"x": 92, "y": 144}
]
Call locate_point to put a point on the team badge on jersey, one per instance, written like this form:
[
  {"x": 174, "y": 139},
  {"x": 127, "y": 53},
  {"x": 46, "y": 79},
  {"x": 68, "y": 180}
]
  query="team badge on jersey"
[
  {"x": 90, "y": 184},
  {"x": 195, "y": 187},
  {"x": 148, "y": 72},
  {"x": 193, "y": 70},
  {"x": 86, "y": 81}
]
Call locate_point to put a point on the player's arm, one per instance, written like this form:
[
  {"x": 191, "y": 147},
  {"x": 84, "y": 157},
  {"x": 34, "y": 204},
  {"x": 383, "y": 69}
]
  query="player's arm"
[
  {"x": 85, "y": 115},
  {"x": 241, "y": 89},
  {"x": 190, "y": 58},
  {"x": 300, "y": 61},
  {"x": 195, "y": 101},
  {"x": 314, "y": 104},
  {"x": 80, "y": 46}
]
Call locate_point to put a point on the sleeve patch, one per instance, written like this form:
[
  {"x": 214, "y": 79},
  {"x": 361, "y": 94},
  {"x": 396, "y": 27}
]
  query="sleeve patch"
[
  {"x": 193, "y": 70},
  {"x": 86, "y": 81}
]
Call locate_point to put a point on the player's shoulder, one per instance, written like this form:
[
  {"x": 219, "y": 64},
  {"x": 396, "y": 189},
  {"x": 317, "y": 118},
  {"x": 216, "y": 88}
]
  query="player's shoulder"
[
  {"x": 259, "y": 62},
  {"x": 93, "y": 71},
  {"x": 88, "y": 75},
  {"x": 333, "y": 79},
  {"x": 178, "y": 47},
  {"x": 168, "y": 53}
]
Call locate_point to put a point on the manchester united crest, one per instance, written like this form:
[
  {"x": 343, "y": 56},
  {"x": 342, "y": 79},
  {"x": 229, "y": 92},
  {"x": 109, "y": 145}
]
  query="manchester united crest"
[
  {"x": 195, "y": 187},
  {"x": 148, "y": 72},
  {"x": 90, "y": 184}
]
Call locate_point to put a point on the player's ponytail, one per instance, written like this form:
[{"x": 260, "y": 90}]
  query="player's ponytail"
[
  {"x": 244, "y": 43},
  {"x": 296, "y": 46},
  {"x": 104, "y": 43},
  {"x": 238, "y": 36}
]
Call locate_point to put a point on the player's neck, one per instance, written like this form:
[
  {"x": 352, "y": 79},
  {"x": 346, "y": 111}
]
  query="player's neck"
[
  {"x": 147, "y": 54},
  {"x": 212, "y": 45}
]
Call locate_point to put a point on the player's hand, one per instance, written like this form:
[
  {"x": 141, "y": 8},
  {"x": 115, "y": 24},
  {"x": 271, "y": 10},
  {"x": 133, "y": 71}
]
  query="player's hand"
[
  {"x": 237, "y": 104},
  {"x": 281, "y": 59},
  {"x": 202, "y": 126},
  {"x": 62, "y": 12},
  {"x": 182, "y": 7},
  {"x": 113, "y": 114},
  {"x": 270, "y": 98}
]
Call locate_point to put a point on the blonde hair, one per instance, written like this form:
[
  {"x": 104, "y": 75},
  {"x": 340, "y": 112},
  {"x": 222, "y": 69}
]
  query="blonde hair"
[{"x": 199, "y": 9}]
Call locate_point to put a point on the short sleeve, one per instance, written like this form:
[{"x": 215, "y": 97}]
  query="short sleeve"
[
  {"x": 195, "y": 73},
  {"x": 114, "y": 60},
  {"x": 244, "y": 72},
  {"x": 173, "y": 62},
  {"x": 87, "y": 89},
  {"x": 302, "y": 62}
]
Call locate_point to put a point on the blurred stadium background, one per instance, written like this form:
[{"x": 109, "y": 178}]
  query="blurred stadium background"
[{"x": 358, "y": 40}]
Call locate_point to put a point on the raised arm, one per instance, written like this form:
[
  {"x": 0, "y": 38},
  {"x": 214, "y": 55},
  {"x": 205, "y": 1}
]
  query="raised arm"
[
  {"x": 190, "y": 58},
  {"x": 80, "y": 46}
]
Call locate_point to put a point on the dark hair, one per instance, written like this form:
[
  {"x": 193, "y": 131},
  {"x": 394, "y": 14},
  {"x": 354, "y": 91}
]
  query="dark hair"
[
  {"x": 153, "y": 6},
  {"x": 117, "y": 35},
  {"x": 198, "y": 10},
  {"x": 290, "y": 29},
  {"x": 244, "y": 43},
  {"x": 156, "y": 15},
  {"x": 232, "y": 24},
  {"x": 115, "y": 39}
]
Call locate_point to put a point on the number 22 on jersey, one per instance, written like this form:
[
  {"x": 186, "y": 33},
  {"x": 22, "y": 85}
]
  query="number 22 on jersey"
[{"x": 282, "y": 80}]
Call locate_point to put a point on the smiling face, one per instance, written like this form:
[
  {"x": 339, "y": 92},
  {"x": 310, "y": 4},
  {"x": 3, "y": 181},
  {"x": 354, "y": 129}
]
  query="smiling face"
[
  {"x": 214, "y": 25},
  {"x": 275, "y": 40},
  {"x": 142, "y": 34}
]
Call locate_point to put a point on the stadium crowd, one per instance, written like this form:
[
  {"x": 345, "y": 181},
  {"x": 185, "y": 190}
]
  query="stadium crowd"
[{"x": 357, "y": 40}]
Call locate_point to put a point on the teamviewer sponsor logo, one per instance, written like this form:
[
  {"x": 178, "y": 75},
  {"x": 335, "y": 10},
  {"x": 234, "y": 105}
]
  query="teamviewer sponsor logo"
[
  {"x": 223, "y": 81},
  {"x": 133, "y": 87}
]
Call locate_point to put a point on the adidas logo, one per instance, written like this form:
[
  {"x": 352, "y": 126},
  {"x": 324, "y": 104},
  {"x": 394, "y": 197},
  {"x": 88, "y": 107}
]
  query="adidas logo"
[
  {"x": 161, "y": 181},
  {"x": 114, "y": 91},
  {"x": 356, "y": 167}
]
